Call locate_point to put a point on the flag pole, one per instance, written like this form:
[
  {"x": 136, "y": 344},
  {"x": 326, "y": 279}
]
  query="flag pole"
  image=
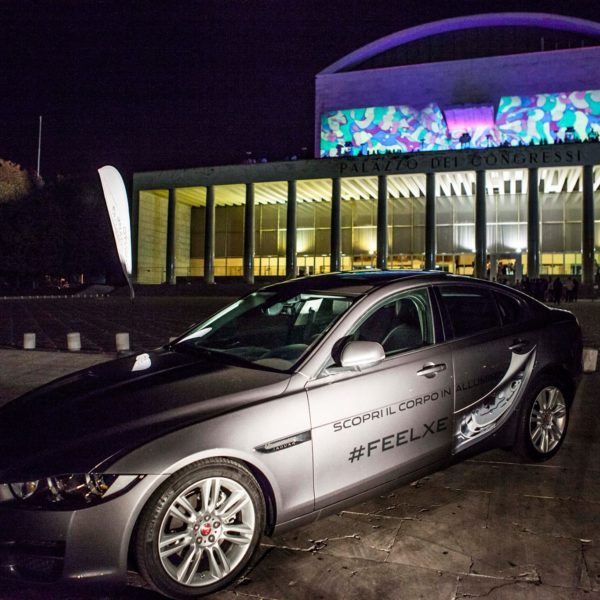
[{"x": 39, "y": 154}]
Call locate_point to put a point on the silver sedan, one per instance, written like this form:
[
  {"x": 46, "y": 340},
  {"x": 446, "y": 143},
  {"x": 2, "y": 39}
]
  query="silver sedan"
[{"x": 293, "y": 401}]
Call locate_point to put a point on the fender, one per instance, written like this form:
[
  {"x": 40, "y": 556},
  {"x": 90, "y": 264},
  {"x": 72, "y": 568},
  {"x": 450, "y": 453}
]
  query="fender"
[{"x": 289, "y": 469}]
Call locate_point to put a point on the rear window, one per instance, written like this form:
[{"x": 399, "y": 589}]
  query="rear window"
[
  {"x": 470, "y": 309},
  {"x": 511, "y": 309}
]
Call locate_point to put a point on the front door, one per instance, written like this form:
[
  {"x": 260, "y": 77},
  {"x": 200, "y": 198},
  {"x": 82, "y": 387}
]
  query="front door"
[{"x": 371, "y": 426}]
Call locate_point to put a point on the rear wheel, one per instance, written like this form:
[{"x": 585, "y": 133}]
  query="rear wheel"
[
  {"x": 200, "y": 530},
  {"x": 544, "y": 421}
]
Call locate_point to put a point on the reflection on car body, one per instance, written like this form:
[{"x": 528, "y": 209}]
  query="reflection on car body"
[{"x": 289, "y": 403}]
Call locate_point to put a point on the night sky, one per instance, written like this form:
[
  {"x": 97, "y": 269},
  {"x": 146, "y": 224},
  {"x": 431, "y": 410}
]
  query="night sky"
[{"x": 150, "y": 84}]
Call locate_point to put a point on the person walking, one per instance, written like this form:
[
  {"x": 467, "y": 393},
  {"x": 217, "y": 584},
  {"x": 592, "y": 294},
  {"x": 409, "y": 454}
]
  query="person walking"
[
  {"x": 557, "y": 289},
  {"x": 569, "y": 287}
]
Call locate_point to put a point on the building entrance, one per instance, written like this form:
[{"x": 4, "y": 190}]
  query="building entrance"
[{"x": 506, "y": 267}]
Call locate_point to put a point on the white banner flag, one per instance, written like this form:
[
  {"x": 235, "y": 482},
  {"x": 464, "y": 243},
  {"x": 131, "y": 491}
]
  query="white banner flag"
[{"x": 115, "y": 195}]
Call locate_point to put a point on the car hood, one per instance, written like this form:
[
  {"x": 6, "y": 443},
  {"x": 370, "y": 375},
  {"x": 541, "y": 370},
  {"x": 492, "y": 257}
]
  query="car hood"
[{"x": 91, "y": 417}]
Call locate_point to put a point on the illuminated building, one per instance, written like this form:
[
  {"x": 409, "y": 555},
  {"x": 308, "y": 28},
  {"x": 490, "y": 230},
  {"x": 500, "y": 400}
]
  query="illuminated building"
[{"x": 469, "y": 145}]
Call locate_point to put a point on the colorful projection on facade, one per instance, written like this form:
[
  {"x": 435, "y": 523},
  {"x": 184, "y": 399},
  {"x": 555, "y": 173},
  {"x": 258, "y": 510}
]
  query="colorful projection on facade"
[
  {"x": 547, "y": 118},
  {"x": 520, "y": 120}
]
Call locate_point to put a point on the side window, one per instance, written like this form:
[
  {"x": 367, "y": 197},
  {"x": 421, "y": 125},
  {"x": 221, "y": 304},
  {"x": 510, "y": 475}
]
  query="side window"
[
  {"x": 401, "y": 324},
  {"x": 471, "y": 309},
  {"x": 511, "y": 309}
]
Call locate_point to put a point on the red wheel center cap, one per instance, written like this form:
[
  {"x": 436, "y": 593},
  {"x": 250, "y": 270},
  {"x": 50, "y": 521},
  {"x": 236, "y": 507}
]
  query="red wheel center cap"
[{"x": 205, "y": 529}]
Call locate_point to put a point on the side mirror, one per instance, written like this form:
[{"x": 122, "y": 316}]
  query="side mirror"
[{"x": 361, "y": 354}]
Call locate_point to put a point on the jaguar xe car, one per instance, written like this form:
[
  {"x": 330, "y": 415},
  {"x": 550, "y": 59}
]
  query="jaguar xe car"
[{"x": 284, "y": 406}]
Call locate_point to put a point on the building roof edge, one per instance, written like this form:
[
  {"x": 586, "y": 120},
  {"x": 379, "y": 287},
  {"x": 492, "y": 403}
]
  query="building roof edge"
[{"x": 405, "y": 36}]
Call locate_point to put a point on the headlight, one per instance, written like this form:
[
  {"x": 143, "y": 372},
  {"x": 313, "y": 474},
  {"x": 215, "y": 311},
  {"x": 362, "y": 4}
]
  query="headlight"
[
  {"x": 24, "y": 489},
  {"x": 71, "y": 491}
]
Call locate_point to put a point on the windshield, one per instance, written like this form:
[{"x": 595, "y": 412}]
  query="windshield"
[{"x": 268, "y": 328}]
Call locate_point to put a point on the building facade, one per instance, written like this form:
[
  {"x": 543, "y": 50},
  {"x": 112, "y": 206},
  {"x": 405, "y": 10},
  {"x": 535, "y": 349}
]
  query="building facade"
[{"x": 485, "y": 165}]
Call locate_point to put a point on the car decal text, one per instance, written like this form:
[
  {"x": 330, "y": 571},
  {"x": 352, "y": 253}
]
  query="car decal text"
[
  {"x": 387, "y": 411},
  {"x": 471, "y": 383},
  {"x": 395, "y": 440}
]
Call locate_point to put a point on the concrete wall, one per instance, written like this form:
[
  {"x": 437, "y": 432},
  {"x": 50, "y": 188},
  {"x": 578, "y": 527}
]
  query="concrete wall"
[{"x": 152, "y": 236}]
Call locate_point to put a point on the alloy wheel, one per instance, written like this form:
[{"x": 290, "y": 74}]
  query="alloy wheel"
[
  {"x": 548, "y": 419},
  {"x": 207, "y": 531}
]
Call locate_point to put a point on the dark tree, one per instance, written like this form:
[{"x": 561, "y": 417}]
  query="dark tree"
[{"x": 60, "y": 230}]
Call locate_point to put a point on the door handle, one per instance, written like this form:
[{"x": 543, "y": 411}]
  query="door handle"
[
  {"x": 518, "y": 345},
  {"x": 430, "y": 370}
]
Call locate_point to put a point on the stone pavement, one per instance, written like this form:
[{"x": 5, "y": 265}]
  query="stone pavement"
[{"x": 489, "y": 527}]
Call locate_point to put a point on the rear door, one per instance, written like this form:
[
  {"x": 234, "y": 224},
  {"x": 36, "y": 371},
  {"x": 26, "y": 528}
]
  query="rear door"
[{"x": 493, "y": 349}]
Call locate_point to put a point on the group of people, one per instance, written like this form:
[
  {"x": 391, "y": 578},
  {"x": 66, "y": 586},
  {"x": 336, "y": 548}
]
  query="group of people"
[
  {"x": 571, "y": 289},
  {"x": 546, "y": 290}
]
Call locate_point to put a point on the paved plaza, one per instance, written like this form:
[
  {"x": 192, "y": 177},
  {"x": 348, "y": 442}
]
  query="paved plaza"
[{"x": 489, "y": 527}]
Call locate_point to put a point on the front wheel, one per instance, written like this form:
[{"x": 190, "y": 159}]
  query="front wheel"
[
  {"x": 544, "y": 421},
  {"x": 200, "y": 529}
]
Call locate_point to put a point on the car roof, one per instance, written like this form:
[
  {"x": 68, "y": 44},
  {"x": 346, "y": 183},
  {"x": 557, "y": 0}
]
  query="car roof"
[{"x": 356, "y": 282}]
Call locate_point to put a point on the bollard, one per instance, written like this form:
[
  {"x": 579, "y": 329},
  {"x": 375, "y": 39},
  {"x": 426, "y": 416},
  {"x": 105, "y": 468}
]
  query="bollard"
[
  {"x": 74, "y": 341},
  {"x": 29, "y": 341},
  {"x": 590, "y": 360},
  {"x": 122, "y": 342}
]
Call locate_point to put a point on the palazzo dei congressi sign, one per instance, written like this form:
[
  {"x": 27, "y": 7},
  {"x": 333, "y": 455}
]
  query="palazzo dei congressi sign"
[{"x": 509, "y": 158}]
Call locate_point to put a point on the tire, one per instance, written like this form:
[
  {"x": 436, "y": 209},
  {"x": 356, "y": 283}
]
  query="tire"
[
  {"x": 543, "y": 420},
  {"x": 200, "y": 529}
]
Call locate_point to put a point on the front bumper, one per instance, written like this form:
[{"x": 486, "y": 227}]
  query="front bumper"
[{"x": 88, "y": 545}]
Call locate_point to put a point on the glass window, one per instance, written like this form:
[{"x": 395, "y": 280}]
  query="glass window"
[
  {"x": 490, "y": 207},
  {"x": 403, "y": 323},
  {"x": 464, "y": 209},
  {"x": 418, "y": 205},
  {"x": 305, "y": 214},
  {"x": 418, "y": 240},
  {"x": 364, "y": 212},
  {"x": 401, "y": 240},
  {"x": 267, "y": 243},
  {"x": 573, "y": 236},
  {"x": 508, "y": 209},
  {"x": 464, "y": 238},
  {"x": 322, "y": 241},
  {"x": 552, "y": 206},
  {"x": 552, "y": 237},
  {"x": 270, "y": 329},
  {"x": 574, "y": 207},
  {"x": 444, "y": 239},
  {"x": 508, "y": 238},
  {"x": 267, "y": 216},
  {"x": 443, "y": 211},
  {"x": 323, "y": 214},
  {"x": 400, "y": 211},
  {"x": 492, "y": 237},
  {"x": 347, "y": 213},
  {"x": 511, "y": 309},
  {"x": 471, "y": 309},
  {"x": 365, "y": 240}
]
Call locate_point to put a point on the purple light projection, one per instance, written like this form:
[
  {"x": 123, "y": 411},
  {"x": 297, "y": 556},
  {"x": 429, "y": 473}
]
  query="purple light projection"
[{"x": 520, "y": 120}]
